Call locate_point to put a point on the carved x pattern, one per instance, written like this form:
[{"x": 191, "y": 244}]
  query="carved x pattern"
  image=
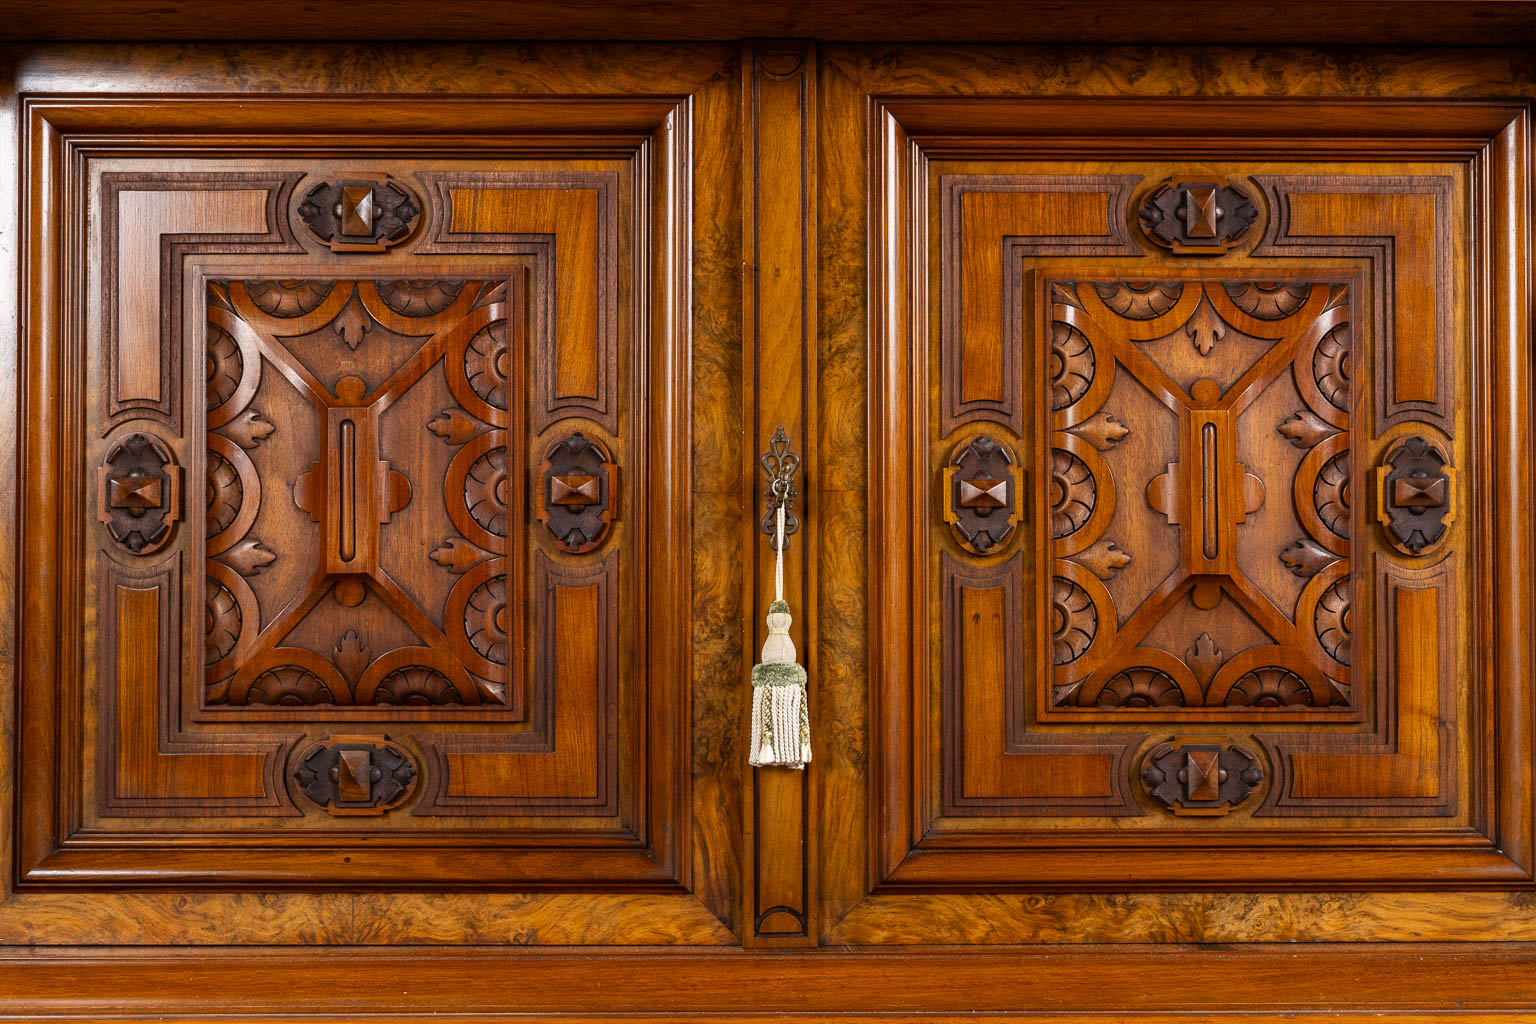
[{"x": 1098, "y": 330}]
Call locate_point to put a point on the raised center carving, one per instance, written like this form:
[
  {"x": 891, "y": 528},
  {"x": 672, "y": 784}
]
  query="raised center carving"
[
  {"x": 1208, "y": 493},
  {"x": 321, "y": 387},
  {"x": 1199, "y": 500},
  {"x": 350, "y": 489}
]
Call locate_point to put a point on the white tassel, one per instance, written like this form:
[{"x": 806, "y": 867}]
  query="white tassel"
[{"x": 781, "y": 721}]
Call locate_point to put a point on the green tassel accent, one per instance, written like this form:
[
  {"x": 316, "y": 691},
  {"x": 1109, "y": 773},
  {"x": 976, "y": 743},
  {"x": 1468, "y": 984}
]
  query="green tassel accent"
[{"x": 781, "y": 722}]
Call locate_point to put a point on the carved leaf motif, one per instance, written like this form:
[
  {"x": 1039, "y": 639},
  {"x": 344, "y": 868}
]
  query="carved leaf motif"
[
  {"x": 1305, "y": 558},
  {"x": 248, "y": 429},
  {"x": 1304, "y": 429},
  {"x": 249, "y": 557},
  {"x": 1103, "y": 559},
  {"x": 458, "y": 555},
  {"x": 1205, "y": 329},
  {"x": 454, "y": 426},
  {"x": 352, "y": 324},
  {"x": 1204, "y": 658},
  {"x": 352, "y": 656},
  {"x": 1102, "y": 431}
]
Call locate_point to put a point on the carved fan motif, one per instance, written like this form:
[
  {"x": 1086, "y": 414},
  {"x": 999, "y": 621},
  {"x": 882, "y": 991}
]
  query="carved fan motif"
[
  {"x": 1071, "y": 365},
  {"x": 1330, "y": 365},
  {"x": 1140, "y": 300},
  {"x": 289, "y": 686},
  {"x": 1330, "y": 494},
  {"x": 1141, "y": 688},
  {"x": 416, "y": 685},
  {"x": 1074, "y": 621},
  {"x": 224, "y": 366},
  {"x": 222, "y": 625},
  {"x": 1268, "y": 301},
  {"x": 485, "y": 364},
  {"x": 1269, "y": 688},
  {"x": 1074, "y": 492},
  {"x": 1332, "y": 622},
  {"x": 485, "y": 491},
  {"x": 419, "y": 298},
  {"x": 485, "y": 620},
  {"x": 287, "y": 298},
  {"x": 225, "y": 495}
]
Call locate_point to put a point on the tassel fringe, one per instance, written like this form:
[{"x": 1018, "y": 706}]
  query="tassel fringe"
[{"x": 781, "y": 724}]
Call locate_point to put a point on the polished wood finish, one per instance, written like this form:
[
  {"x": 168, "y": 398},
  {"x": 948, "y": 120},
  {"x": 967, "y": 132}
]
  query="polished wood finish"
[
  {"x": 562, "y": 266},
  {"x": 707, "y": 241},
  {"x": 779, "y": 260},
  {"x": 961, "y": 121},
  {"x": 1040, "y": 984},
  {"x": 1423, "y": 22}
]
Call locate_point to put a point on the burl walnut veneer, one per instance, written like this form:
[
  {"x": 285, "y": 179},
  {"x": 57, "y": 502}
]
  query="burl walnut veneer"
[{"x": 387, "y": 562}]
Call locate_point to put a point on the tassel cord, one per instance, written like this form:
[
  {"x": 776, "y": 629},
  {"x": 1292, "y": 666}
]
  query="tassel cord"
[{"x": 778, "y": 560}]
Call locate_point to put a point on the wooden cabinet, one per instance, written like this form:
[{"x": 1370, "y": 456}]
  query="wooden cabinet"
[
  {"x": 389, "y": 561},
  {"x": 1186, "y": 506},
  {"x": 373, "y": 546}
]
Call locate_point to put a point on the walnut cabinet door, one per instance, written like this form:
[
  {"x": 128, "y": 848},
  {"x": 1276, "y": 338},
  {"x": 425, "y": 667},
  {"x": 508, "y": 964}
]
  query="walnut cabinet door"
[
  {"x": 356, "y": 511},
  {"x": 1190, "y": 423}
]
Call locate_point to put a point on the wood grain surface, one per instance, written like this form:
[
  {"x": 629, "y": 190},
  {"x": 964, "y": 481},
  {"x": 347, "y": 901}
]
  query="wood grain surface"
[
  {"x": 775, "y": 267},
  {"x": 1427, "y": 22}
]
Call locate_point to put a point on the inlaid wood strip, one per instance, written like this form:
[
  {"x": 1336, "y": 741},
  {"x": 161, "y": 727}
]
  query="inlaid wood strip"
[{"x": 778, "y": 337}]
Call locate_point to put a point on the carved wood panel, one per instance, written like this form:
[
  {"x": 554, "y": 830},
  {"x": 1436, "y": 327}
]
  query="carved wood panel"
[
  {"x": 318, "y": 593},
  {"x": 1206, "y": 624},
  {"x": 1232, "y": 484},
  {"x": 313, "y": 594}
]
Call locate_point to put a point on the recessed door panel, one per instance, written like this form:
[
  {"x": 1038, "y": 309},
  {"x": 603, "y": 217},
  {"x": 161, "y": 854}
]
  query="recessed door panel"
[
  {"x": 1189, "y": 621},
  {"x": 367, "y": 497},
  {"x": 1193, "y": 520}
]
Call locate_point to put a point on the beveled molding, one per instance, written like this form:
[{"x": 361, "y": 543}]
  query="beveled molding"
[
  {"x": 1483, "y": 982},
  {"x": 647, "y": 846},
  {"x": 913, "y": 851}
]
